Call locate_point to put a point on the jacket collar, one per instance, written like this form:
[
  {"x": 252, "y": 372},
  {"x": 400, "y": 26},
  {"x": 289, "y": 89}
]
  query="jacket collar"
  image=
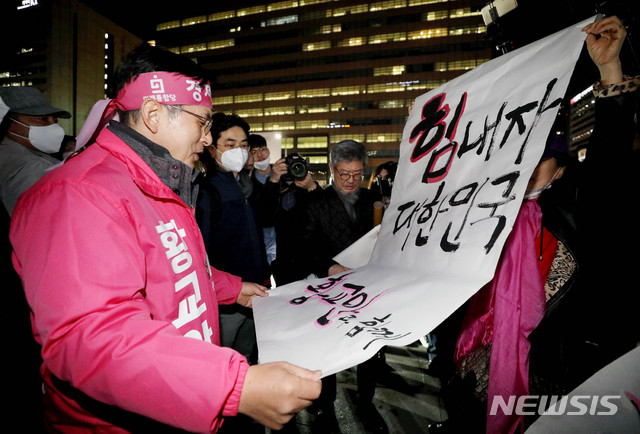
[{"x": 149, "y": 163}]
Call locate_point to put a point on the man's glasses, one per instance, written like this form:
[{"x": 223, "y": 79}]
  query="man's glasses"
[
  {"x": 345, "y": 176},
  {"x": 261, "y": 149},
  {"x": 204, "y": 122}
]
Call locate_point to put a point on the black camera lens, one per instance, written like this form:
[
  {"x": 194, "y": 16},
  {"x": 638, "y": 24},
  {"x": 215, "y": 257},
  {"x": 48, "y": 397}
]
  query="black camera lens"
[
  {"x": 298, "y": 170},
  {"x": 297, "y": 167}
]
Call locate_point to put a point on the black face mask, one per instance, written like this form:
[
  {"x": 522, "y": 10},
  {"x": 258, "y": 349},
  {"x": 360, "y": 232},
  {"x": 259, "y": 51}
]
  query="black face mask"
[{"x": 383, "y": 186}]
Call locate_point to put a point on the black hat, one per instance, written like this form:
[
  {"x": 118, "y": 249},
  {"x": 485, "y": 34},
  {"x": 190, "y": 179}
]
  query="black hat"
[{"x": 29, "y": 101}]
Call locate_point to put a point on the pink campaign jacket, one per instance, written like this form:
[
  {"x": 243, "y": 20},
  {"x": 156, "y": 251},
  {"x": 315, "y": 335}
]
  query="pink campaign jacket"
[{"x": 116, "y": 275}]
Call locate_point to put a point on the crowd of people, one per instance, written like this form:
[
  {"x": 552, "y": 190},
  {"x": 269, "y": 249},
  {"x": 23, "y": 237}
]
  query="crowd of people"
[{"x": 172, "y": 218}]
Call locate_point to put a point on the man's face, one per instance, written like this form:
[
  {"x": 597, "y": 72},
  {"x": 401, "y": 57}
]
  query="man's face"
[
  {"x": 347, "y": 176},
  {"x": 234, "y": 137},
  {"x": 184, "y": 136},
  {"x": 260, "y": 153}
]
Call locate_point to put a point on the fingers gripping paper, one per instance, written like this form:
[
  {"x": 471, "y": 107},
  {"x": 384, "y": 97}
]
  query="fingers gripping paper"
[{"x": 467, "y": 152}]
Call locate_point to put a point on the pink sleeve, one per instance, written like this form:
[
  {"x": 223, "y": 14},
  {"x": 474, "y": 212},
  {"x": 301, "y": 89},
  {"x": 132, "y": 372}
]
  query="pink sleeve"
[
  {"x": 93, "y": 322},
  {"x": 227, "y": 286}
]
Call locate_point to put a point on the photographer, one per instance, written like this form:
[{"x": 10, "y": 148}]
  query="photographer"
[{"x": 294, "y": 193}]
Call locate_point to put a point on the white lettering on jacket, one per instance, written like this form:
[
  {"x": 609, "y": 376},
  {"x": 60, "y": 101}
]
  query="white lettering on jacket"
[{"x": 190, "y": 308}]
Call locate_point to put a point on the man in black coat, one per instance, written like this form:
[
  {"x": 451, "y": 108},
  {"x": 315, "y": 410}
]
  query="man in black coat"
[{"x": 336, "y": 217}]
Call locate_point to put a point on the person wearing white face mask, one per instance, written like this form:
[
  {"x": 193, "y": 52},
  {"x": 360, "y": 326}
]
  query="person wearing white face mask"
[
  {"x": 231, "y": 211},
  {"x": 29, "y": 133}
]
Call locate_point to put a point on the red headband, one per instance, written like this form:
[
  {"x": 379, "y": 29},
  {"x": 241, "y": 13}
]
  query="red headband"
[{"x": 164, "y": 87}]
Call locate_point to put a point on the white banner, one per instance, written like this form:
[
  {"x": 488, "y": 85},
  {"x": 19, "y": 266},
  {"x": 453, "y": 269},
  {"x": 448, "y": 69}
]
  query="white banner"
[{"x": 467, "y": 152}]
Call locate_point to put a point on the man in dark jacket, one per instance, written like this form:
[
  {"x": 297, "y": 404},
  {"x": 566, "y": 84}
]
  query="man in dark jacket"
[
  {"x": 336, "y": 217},
  {"x": 227, "y": 212}
]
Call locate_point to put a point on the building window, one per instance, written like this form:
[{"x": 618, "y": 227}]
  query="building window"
[
  {"x": 194, "y": 20},
  {"x": 279, "y": 111},
  {"x": 388, "y": 37},
  {"x": 282, "y": 5},
  {"x": 335, "y": 138},
  {"x": 193, "y": 48},
  {"x": 247, "y": 113},
  {"x": 425, "y": 2},
  {"x": 278, "y": 96},
  {"x": 467, "y": 30},
  {"x": 312, "y": 124},
  {"x": 304, "y": 109},
  {"x": 251, "y": 10},
  {"x": 384, "y": 138},
  {"x": 214, "y": 45},
  {"x": 389, "y": 70},
  {"x": 222, "y": 100},
  {"x": 312, "y": 142},
  {"x": 221, "y": 16},
  {"x": 281, "y": 20},
  {"x": 275, "y": 126},
  {"x": 314, "y": 46},
  {"x": 357, "y": 9},
  {"x": 314, "y": 93},
  {"x": 351, "y": 42},
  {"x": 347, "y": 90},
  {"x": 251, "y": 97},
  {"x": 388, "y": 4},
  {"x": 428, "y": 33},
  {"x": 436, "y": 15},
  {"x": 168, "y": 25}
]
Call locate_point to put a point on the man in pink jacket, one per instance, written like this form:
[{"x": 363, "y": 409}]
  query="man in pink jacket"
[{"x": 123, "y": 300}]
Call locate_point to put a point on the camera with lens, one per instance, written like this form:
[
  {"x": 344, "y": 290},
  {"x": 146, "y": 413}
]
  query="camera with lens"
[{"x": 297, "y": 167}]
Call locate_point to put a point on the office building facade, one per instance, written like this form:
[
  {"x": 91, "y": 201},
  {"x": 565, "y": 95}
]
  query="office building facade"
[
  {"x": 314, "y": 72},
  {"x": 66, "y": 50}
]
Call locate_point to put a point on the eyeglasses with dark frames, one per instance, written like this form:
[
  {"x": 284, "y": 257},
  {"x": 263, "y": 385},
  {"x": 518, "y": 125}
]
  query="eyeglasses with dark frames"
[{"x": 204, "y": 122}]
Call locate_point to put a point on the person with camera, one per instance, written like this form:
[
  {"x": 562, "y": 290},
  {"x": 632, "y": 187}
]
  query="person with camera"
[
  {"x": 336, "y": 217},
  {"x": 294, "y": 183}
]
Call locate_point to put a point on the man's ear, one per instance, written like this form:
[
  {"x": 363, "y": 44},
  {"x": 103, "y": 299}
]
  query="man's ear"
[{"x": 150, "y": 113}]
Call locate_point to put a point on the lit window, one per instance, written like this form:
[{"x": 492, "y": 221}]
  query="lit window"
[
  {"x": 388, "y": 37},
  {"x": 279, "y": 111},
  {"x": 428, "y": 33},
  {"x": 221, "y": 100},
  {"x": 278, "y": 96},
  {"x": 313, "y": 93},
  {"x": 251, "y": 10},
  {"x": 222, "y": 15},
  {"x": 168, "y": 25},
  {"x": 221, "y": 44},
  {"x": 252, "y": 97},
  {"x": 388, "y": 4},
  {"x": 322, "y": 45},
  {"x": 282, "y": 5},
  {"x": 194, "y": 20}
]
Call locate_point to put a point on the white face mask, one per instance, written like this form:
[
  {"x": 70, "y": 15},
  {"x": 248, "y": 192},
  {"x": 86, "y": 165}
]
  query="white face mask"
[
  {"x": 47, "y": 138},
  {"x": 262, "y": 165},
  {"x": 234, "y": 159},
  {"x": 532, "y": 194}
]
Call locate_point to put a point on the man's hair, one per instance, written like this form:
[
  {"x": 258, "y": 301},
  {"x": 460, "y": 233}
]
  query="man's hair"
[
  {"x": 147, "y": 58},
  {"x": 348, "y": 151},
  {"x": 222, "y": 122},
  {"x": 256, "y": 141}
]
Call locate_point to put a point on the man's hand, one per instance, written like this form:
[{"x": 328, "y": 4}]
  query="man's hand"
[
  {"x": 307, "y": 183},
  {"x": 604, "y": 41},
  {"x": 337, "y": 268},
  {"x": 274, "y": 392},
  {"x": 250, "y": 290},
  {"x": 278, "y": 169}
]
